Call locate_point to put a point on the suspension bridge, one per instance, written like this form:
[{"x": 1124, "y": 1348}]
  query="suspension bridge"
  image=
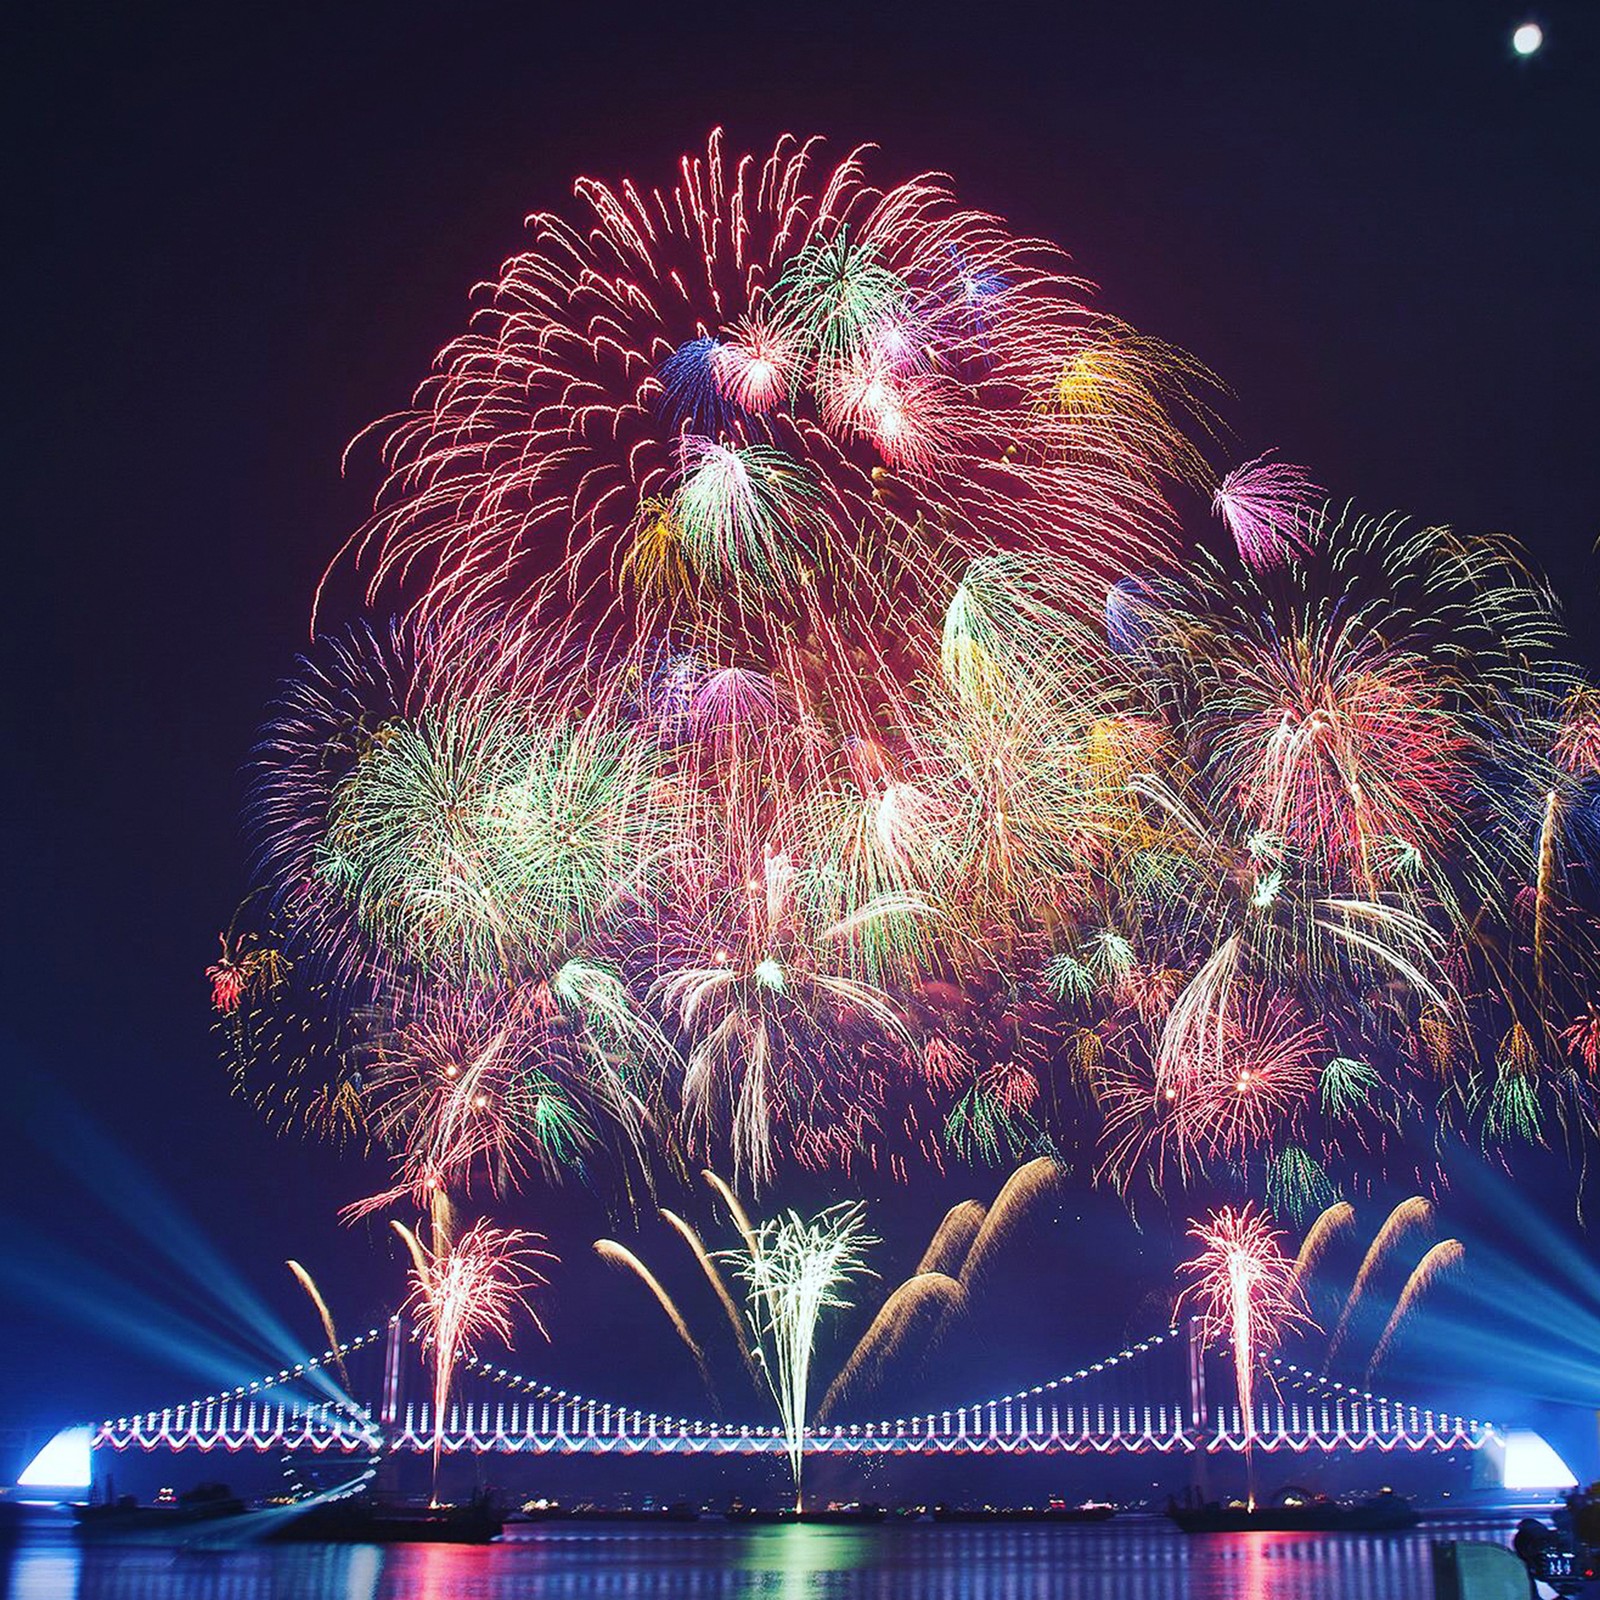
[{"x": 1169, "y": 1395}]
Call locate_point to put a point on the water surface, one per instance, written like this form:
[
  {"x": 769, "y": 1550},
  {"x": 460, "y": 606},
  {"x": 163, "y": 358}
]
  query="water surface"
[{"x": 1128, "y": 1559}]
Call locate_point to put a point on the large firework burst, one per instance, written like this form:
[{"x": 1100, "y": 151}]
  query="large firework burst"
[{"x": 811, "y": 737}]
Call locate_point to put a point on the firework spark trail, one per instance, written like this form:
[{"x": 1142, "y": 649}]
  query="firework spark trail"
[
  {"x": 793, "y": 1275},
  {"x": 953, "y": 1239},
  {"x": 1261, "y": 502},
  {"x": 740, "y": 1217},
  {"x": 1442, "y": 1258},
  {"x": 620, "y": 1256},
  {"x": 1410, "y": 1214},
  {"x": 308, "y": 1283},
  {"x": 1027, "y": 1187},
  {"x": 1247, "y": 1292},
  {"x": 1194, "y": 1037},
  {"x": 1296, "y": 1182},
  {"x": 713, "y": 1276},
  {"x": 1334, "y": 1220},
  {"x": 914, "y": 1316},
  {"x": 420, "y": 1264},
  {"x": 1544, "y": 883}
]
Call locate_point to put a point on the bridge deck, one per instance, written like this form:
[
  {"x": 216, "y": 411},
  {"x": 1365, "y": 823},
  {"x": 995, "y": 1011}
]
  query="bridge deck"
[{"x": 1082, "y": 1414}]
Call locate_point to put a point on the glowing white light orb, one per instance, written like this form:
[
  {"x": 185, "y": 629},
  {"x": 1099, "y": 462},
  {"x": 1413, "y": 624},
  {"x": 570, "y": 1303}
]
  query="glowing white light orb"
[
  {"x": 1527, "y": 39},
  {"x": 1532, "y": 1464},
  {"x": 64, "y": 1463}
]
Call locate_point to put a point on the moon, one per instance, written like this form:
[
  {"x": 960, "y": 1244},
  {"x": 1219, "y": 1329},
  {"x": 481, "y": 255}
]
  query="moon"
[{"x": 1527, "y": 39}]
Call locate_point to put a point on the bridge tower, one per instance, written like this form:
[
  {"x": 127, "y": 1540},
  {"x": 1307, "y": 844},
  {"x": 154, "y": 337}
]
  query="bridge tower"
[
  {"x": 388, "y": 1480},
  {"x": 1199, "y": 1429},
  {"x": 393, "y": 1349}
]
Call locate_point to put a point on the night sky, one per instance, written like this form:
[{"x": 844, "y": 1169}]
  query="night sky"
[{"x": 238, "y": 235}]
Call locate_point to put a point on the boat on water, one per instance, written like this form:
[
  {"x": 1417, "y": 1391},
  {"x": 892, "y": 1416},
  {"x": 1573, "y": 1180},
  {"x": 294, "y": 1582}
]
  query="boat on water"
[
  {"x": 821, "y": 1514},
  {"x": 843, "y": 1514},
  {"x": 1381, "y": 1513},
  {"x": 551, "y": 1511},
  {"x": 365, "y": 1519},
  {"x": 359, "y": 1519},
  {"x": 1056, "y": 1511},
  {"x": 116, "y": 1518}
]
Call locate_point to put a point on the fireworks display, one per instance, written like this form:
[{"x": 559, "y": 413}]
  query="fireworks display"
[
  {"x": 1247, "y": 1293},
  {"x": 463, "y": 1288},
  {"x": 797, "y": 710},
  {"x": 796, "y": 1270},
  {"x": 1444, "y": 1257},
  {"x": 911, "y": 1322}
]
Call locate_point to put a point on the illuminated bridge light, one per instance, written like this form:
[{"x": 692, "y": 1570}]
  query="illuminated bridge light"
[
  {"x": 1110, "y": 1420},
  {"x": 66, "y": 1462},
  {"x": 1531, "y": 1463}
]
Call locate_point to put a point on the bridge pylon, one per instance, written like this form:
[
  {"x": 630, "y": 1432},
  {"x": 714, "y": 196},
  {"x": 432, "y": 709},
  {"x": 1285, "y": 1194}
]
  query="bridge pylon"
[
  {"x": 387, "y": 1480},
  {"x": 1199, "y": 1429}
]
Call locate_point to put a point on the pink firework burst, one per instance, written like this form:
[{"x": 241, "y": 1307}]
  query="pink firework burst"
[
  {"x": 1262, "y": 503},
  {"x": 1338, "y": 741},
  {"x": 1245, "y": 1289},
  {"x": 465, "y": 1289},
  {"x": 1240, "y": 1076},
  {"x": 227, "y": 985},
  {"x": 1582, "y": 1038},
  {"x": 1577, "y": 743}
]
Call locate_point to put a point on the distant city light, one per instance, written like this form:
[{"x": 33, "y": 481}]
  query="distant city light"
[
  {"x": 64, "y": 1463},
  {"x": 1527, "y": 39},
  {"x": 1532, "y": 1464}
]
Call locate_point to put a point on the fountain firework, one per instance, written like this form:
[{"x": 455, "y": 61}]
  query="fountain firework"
[
  {"x": 1247, "y": 1292},
  {"x": 793, "y": 1274},
  {"x": 463, "y": 1288}
]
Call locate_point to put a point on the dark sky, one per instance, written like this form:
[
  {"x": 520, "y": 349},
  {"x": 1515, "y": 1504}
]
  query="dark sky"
[{"x": 238, "y": 234}]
